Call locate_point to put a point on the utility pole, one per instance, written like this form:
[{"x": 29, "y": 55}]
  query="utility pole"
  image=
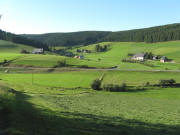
[{"x": 32, "y": 77}]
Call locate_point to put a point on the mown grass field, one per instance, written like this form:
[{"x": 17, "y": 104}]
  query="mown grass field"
[{"x": 46, "y": 108}]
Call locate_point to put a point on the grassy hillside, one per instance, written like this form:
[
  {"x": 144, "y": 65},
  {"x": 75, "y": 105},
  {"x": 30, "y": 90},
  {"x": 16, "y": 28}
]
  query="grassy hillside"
[
  {"x": 120, "y": 50},
  {"x": 61, "y": 101},
  {"x": 22, "y": 40},
  {"x": 10, "y": 50},
  {"x": 10, "y": 47},
  {"x": 46, "y": 108},
  {"x": 52, "y": 60},
  {"x": 113, "y": 57}
]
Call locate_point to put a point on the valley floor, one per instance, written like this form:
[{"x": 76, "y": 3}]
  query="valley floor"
[
  {"x": 63, "y": 103},
  {"x": 39, "y": 96}
]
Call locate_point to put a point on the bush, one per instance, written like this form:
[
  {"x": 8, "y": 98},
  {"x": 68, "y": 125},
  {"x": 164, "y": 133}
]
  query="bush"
[
  {"x": 61, "y": 63},
  {"x": 83, "y": 66},
  {"x": 130, "y": 54},
  {"x": 96, "y": 84},
  {"x": 5, "y": 61},
  {"x": 169, "y": 82},
  {"x": 114, "y": 88},
  {"x": 147, "y": 83},
  {"x": 124, "y": 86},
  {"x": 99, "y": 48},
  {"x": 111, "y": 87},
  {"x": 172, "y": 81},
  {"x": 24, "y": 51}
]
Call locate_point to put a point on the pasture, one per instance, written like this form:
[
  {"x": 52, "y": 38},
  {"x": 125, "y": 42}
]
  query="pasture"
[
  {"x": 52, "y": 102},
  {"x": 11, "y": 51},
  {"x": 61, "y": 101},
  {"x": 10, "y": 47},
  {"x": 112, "y": 58},
  {"x": 120, "y": 50}
]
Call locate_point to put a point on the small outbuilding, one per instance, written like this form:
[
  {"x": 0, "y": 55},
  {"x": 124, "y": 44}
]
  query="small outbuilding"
[
  {"x": 76, "y": 57},
  {"x": 163, "y": 59},
  {"x": 155, "y": 57},
  {"x": 81, "y": 57},
  {"x": 6, "y": 71},
  {"x": 69, "y": 54}
]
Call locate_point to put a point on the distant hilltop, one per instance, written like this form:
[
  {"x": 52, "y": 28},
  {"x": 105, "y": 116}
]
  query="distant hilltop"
[
  {"x": 163, "y": 33},
  {"x": 150, "y": 35}
]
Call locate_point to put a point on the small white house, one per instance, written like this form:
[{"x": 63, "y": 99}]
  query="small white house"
[
  {"x": 6, "y": 71},
  {"x": 139, "y": 56},
  {"x": 38, "y": 51},
  {"x": 155, "y": 57},
  {"x": 163, "y": 59},
  {"x": 81, "y": 57}
]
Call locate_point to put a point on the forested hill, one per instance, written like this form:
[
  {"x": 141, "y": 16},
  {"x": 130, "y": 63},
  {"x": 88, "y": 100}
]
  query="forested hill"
[
  {"x": 154, "y": 34},
  {"x": 70, "y": 39},
  {"x": 150, "y": 35},
  {"x": 22, "y": 40}
]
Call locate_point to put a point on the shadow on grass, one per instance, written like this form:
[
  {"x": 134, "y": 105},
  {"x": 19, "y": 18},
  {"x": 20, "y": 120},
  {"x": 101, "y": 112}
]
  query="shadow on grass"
[
  {"x": 177, "y": 85},
  {"x": 133, "y": 89},
  {"x": 25, "y": 119}
]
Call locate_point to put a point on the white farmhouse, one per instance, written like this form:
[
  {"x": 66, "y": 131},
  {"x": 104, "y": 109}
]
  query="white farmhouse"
[
  {"x": 38, "y": 51},
  {"x": 139, "y": 56}
]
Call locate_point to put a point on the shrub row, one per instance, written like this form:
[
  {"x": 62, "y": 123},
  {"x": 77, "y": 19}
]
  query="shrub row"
[
  {"x": 96, "y": 85},
  {"x": 168, "y": 82},
  {"x": 114, "y": 87}
]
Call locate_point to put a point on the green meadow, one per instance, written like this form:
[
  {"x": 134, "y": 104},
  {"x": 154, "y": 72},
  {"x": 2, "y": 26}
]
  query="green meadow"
[
  {"x": 64, "y": 103},
  {"x": 11, "y": 51},
  {"x": 9, "y": 47},
  {"x": 120, "y": 50},
  {"x": 112, "y": 58},
  {"x": 45, "y": 101}
]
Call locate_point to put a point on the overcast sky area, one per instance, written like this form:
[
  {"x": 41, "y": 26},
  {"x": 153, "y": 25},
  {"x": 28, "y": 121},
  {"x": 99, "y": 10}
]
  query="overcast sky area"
[{"x": 46, "y": 16}]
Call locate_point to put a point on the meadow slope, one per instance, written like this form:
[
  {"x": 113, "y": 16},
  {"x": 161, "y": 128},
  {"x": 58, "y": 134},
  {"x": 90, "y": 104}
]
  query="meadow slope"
[{"x": 51, "y": 106}]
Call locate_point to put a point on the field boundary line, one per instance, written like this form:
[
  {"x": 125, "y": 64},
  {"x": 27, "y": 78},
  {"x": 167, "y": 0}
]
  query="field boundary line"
[{"x": 88, "y": 69}]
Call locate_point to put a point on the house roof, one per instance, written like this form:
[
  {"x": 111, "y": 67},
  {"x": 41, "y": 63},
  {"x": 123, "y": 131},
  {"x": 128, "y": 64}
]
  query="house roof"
[
  {"x": 163, "y": 58},
  {"x": 139, "y": 55},
  {"x": 38, "y": 50},
  {"x": 76, "y": 56}
]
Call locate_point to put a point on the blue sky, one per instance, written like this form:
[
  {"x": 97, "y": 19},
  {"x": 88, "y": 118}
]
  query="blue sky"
[{"x": 45, "y": 16}]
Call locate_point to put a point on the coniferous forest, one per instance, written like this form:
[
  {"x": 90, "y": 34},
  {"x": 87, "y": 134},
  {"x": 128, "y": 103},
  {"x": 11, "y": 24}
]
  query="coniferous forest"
[{"x": 149, "y": 35}]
